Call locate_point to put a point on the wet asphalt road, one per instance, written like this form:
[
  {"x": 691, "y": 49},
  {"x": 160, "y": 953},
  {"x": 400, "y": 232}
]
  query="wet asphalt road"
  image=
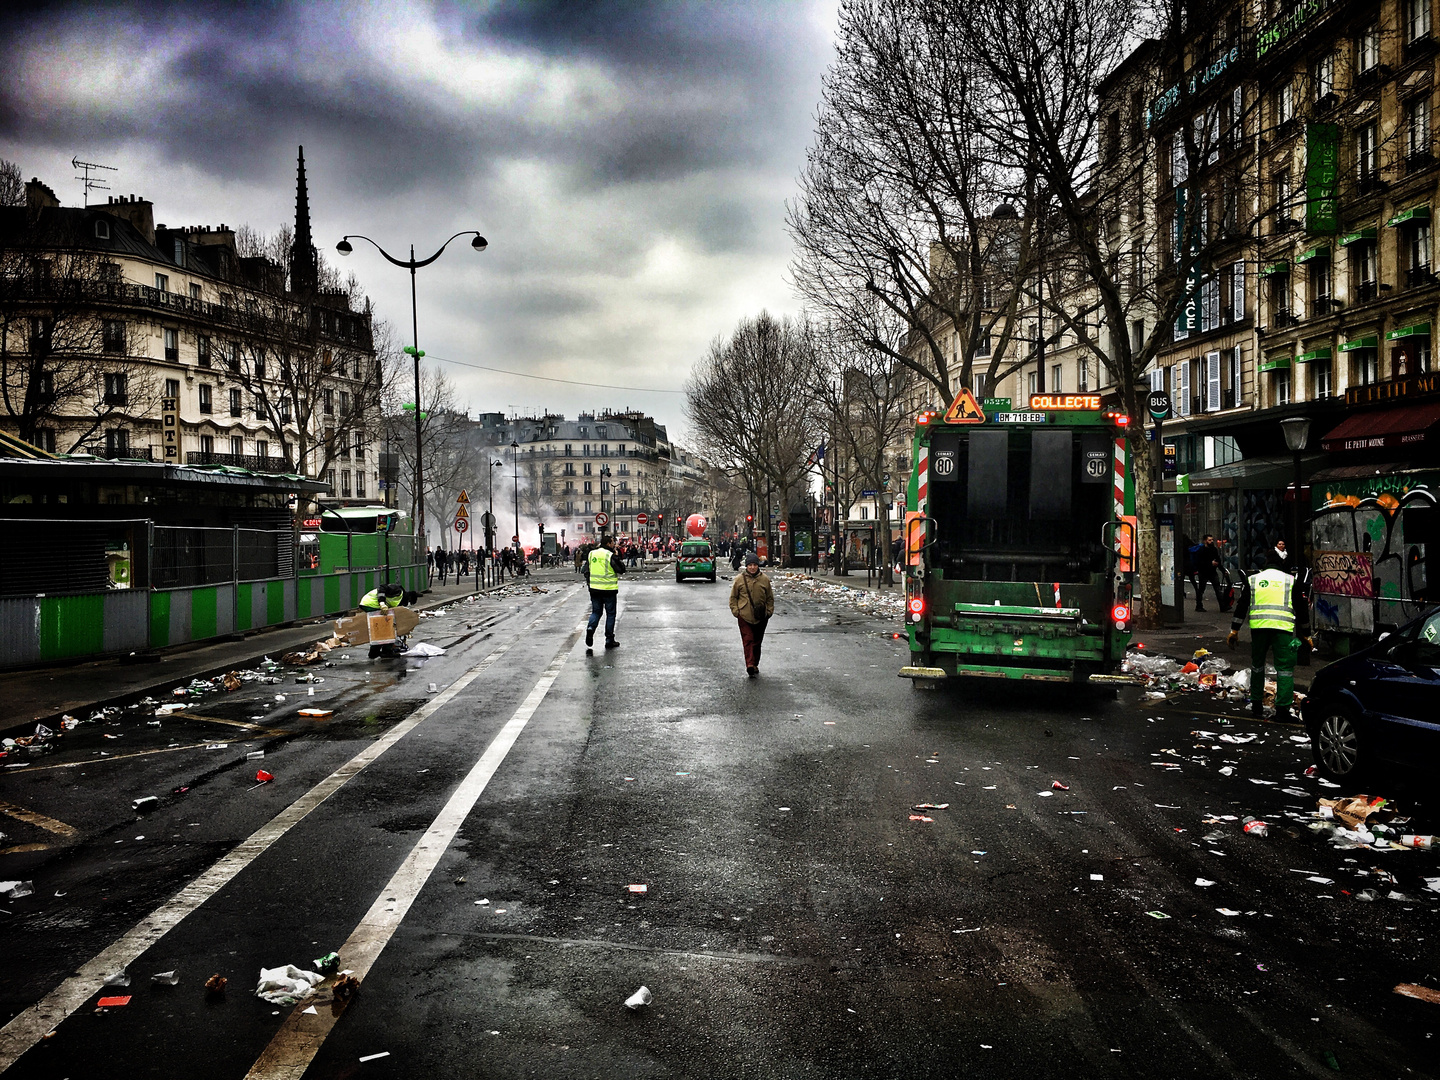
[{"x": 796, "y": 921}]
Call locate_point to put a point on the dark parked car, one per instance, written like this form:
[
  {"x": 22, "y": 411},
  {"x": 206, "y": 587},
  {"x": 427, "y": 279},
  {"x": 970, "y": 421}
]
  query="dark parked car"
[{"x": 1379, "y": 704}]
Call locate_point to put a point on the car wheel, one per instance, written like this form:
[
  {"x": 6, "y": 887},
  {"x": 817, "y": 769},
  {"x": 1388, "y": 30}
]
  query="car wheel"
[{"x": 1336, "y": 744}]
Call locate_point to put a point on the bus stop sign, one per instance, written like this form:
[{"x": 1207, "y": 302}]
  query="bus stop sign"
[{"x": 1158, "y": 404}]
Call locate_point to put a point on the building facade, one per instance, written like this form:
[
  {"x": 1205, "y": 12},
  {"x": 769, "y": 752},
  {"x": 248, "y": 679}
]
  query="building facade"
[{"x": 125, "y": 339}]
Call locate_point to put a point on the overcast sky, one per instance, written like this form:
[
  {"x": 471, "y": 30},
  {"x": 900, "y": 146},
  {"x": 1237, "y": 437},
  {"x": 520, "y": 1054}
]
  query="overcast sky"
[{"x": 628, "y": 161}]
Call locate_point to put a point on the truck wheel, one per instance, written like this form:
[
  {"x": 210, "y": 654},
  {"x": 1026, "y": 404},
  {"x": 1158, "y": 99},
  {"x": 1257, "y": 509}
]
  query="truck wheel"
[
  {"x": 712, "y": 577},
  {"x": 679, "y": 576}
]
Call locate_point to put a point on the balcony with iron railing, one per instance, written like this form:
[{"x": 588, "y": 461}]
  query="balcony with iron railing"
[
  {"x": 26, "y": 288},
  {"x": 117, "y": 453},
  {"x": 253, "y": 462}
]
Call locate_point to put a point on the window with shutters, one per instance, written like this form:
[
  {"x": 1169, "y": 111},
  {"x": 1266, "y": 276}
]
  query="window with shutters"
[
  {"x": 1237, "y": 378},
  {"x": 1237, "y": 291},
  {"x": 1210, "y": 305},
  {"x": 1212, "y": 382}
]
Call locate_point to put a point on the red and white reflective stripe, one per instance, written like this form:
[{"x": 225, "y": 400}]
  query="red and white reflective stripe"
[
  {"x": 1124, "y": 537},
  {"x": 922, "y": 480},
  {"x": 1119, "y": 482}
]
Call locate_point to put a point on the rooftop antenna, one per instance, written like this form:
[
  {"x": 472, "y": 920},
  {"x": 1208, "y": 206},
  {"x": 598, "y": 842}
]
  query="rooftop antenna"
[{"x": 92, "y": 183}]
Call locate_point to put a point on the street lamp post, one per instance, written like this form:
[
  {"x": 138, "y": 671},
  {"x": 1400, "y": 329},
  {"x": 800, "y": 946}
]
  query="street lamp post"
[
  {"x": 1297, "y": 434},
  {"x": 605, "y": 483},
  {"x": 490, "y": 514},
  {"x": 412, "y": 264},
  {"x": 515, "y": 474}
]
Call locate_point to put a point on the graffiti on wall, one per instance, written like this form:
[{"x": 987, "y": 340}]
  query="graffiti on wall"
[
  {"x": 1344, "y": 573},
  {"x": 1369, "y": 553}
]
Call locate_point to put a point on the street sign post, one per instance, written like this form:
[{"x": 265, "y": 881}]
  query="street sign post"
[
  {"x": 642, "y": 518},
  {"x": 602, "y": 519}
]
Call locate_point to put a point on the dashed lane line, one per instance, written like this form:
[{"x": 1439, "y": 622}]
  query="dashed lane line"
[
  {"x": 294, "y": 1046},
  {"x": 31, "y": 1025},
  {"x": 49, "y": 824}
]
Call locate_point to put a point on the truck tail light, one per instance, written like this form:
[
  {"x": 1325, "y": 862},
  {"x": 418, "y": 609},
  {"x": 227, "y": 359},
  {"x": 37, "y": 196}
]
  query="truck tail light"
[
  {"x": 914, "y": 601},
  {"x": 1120, "y": 613}
]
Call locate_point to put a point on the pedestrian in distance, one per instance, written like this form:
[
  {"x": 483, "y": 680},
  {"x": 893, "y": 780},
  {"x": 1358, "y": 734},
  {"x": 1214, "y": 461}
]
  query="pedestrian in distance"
[
  {"x": 1276, "y": 608},
  {"x": 602, "y": 572},
  {"x": 752, "y": 602},
  {"x": 1206, "y": 568}
]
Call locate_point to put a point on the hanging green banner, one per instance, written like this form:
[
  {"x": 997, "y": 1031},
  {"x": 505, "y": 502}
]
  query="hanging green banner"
[{"x": 1322, "y": 179}]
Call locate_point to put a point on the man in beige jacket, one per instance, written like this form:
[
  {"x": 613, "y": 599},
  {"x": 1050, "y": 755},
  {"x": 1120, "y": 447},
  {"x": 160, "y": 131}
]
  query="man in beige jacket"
[{"x": 752, "y": 602}]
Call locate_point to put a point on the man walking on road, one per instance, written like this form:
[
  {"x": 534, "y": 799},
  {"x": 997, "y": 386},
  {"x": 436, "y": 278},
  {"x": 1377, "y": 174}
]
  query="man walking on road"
[
  {"x": 1276, "y": 605},
  {"x": 602, "y": 570},
  {"x": 752, "y": 602}
]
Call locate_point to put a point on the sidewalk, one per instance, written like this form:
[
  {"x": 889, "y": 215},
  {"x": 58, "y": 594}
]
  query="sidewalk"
[{"x": 42, "y": 694}]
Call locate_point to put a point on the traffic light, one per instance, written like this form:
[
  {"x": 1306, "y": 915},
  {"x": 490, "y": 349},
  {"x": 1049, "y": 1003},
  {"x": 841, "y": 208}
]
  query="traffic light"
[
  {"x": 542, "y": 526},
  {"x": 749, "y": 519}
]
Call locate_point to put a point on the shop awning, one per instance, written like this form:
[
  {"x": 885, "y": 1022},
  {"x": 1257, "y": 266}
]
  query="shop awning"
[
  {"x": 1369, "y": 341},
  {"x": 1320, "y": 252},
  {"x": 1407, "y": 426},
  {"x": 1418, "y": 330},
  {"x": 1275, "y": 363},
  {"x": 1415, "y": 213},
  {"x": 1356, "y": 236},
  {"x": 1281, "y": 267},
  {"x": 1322, "y": 353}
]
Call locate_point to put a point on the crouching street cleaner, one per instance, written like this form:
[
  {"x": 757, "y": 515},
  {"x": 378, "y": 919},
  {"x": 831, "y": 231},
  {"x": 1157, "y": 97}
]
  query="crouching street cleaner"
[{"x": 1276, "y": 608}]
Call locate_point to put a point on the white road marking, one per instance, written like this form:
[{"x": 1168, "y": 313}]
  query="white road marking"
[
  {"x": 34, "y": 817},
  {"x": 31, "y": 1025},
  {"x": 299, "y": 1038}
]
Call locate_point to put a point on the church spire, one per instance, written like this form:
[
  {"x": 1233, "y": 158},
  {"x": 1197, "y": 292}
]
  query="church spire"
[{"x": 304, "y": 260}]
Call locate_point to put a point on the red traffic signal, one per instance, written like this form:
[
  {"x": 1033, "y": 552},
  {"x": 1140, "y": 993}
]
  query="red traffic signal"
[{"x": 749, "y": 517}]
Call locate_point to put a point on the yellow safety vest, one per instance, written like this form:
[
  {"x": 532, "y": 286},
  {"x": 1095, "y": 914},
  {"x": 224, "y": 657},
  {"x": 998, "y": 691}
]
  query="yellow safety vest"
[
  {"x": 602, "y": 572},
  {"x": 1270, "y": 601},
  {"x": 372, "y": 600}
]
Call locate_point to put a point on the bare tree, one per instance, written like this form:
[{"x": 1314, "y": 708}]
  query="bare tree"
[
  {"x": 444, "y": 435},
  {"x": 307, "y": 378},
  {"x": 1139, "y": 274},
  {"x": 70, "y": 361},
  {"x": 867, "y": 392},
  {"x": 752, "y": 403},
  {"x": 12, "y": 184},
  {"x": 903, "y": 201}
]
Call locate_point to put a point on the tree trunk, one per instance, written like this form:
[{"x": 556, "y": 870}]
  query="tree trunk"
[{"x": 1147, "y": 542}]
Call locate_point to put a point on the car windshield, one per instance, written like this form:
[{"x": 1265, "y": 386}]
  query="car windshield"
[{"x": 695, "y": 551}]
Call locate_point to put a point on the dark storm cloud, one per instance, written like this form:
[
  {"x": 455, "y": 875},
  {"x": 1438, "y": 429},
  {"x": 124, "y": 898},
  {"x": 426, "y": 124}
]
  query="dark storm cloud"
[{"x": 629, "y": 160}]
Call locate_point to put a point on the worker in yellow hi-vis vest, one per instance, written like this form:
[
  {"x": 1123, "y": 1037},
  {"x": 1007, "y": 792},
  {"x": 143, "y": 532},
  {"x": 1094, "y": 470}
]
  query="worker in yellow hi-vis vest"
[
  {"x": 602, "y": 571},
  {"x": 1277, "y": 610}
]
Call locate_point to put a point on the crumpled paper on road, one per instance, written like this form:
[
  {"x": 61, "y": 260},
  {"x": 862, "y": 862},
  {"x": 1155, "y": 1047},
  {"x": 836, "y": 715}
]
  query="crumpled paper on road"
[{"x": 286, "y": 985}]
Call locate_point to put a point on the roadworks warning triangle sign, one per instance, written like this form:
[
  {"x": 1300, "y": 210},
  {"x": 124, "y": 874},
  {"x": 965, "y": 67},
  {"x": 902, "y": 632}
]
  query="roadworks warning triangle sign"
[
  {"x": 964, "y": 410},
  {"x": 464, "y": 498}
]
